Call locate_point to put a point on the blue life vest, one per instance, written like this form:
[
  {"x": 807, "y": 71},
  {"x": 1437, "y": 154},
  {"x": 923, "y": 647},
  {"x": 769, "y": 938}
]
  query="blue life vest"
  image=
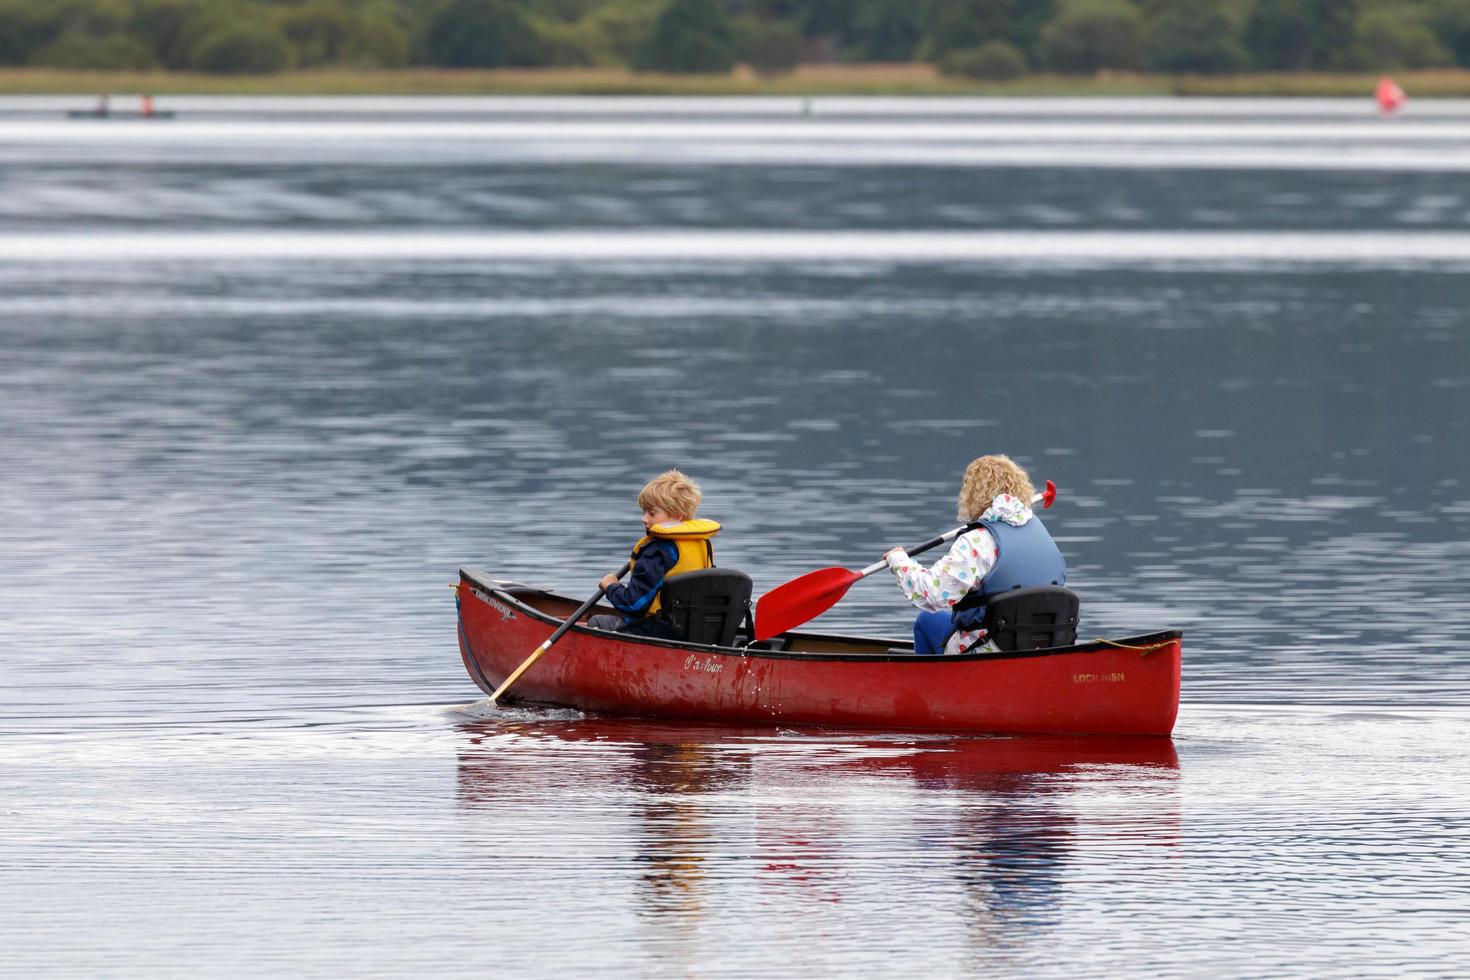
[{"x": 1028, "y": 556}]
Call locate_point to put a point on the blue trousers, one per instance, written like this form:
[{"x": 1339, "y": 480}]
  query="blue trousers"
[{"x": 931, "y": 629}]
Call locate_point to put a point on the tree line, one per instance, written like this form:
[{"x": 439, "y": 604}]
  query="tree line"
[{"x": 990, "y": 39}]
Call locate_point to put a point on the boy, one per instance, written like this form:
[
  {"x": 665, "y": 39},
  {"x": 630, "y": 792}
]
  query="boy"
[{"x": 674, "y": 543}]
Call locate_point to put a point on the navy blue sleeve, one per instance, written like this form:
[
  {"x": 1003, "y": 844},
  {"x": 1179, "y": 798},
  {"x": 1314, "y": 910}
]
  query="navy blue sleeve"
[{"x": 631, "y": 598}]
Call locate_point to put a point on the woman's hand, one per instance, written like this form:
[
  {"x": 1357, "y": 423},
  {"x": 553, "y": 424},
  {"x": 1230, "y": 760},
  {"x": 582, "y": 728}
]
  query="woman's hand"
[
  {"x": 895, "y": 550},
  {"x": 608, "y": 581}
]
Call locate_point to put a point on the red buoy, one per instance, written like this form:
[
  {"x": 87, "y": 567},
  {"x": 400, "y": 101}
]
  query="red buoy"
[{"x": 1389, "y": 95}]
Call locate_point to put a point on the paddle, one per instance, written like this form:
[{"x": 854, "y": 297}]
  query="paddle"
[
  {"x": 812, "y": 594},
  {"x": 536, "y": 655}
]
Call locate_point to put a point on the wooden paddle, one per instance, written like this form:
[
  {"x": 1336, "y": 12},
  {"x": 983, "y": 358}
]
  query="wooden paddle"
[
  {"x": 812, "y": 594},
  {"x": 536, "y": 654}
]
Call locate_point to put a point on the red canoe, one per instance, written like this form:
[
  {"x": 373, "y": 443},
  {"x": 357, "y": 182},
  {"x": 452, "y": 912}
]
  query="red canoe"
[{"x": 1127, "y": 686}]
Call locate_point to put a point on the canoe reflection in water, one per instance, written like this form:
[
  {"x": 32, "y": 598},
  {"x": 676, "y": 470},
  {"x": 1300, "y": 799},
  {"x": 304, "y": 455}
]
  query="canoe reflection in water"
[{"x": 719, "y": 816}]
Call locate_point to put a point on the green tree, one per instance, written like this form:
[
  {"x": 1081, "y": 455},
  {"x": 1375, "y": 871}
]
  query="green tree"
[
  {"x": 1087, "y": 36},
  {"x": 1395, "y": 38},
  {"x": 115, "y": 52},
  {"x": 178, "y": 32},
  {"x": 567, "y": 11},
  {"x": 29, "y": 28},
  {"x": 826, "y": 26},
  {"x": 771, "y": 47},
  {"x": 94, "y": 18},
  {"x": 1195, "y": 36},
  {"x": 378, "y": 40},
  {"x": 1450, "y": 21},
  {"x": 480, "y": 34},
  {"x": 1295, "y": 35},
  {"x": 26, "y": 27},
  {"x": 258, "y": 48},
  {"x": 689, "y": 37},
  {"x": 320, "y": 31},
  {"x": 818, "y": 18},
  {"x": 997, "y": 61},
  {"x": 565, "y": 45},
  {"x": 163, "y": 26},
  {"x": 1027, "y": 19},
  {"x": 887, "y": 30},
  {"x": 956, "y": 25},
  {"x": 616, "y": 32}
]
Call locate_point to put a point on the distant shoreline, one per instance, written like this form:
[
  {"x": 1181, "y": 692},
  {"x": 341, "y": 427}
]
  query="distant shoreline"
[{"x": 808, "y": 80}]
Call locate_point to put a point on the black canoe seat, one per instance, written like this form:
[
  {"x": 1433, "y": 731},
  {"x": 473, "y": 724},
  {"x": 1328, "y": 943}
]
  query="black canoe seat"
[
  {"x": 707, "y": 606},
  {"x": 1033, "y": 618}
]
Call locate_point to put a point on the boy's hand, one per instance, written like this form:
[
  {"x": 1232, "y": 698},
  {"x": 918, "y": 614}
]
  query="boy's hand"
[{"x": 608, "y": 581}]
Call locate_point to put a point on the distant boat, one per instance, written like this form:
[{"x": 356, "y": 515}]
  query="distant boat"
[
  {"x": 104, "y": 110},
  {"x": 120, "y": 114}
]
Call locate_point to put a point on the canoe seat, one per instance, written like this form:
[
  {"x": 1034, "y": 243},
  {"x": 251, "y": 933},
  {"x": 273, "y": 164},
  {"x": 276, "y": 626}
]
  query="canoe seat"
[
  {"x": 1033, "y": 618},
  {"x": 707, "y": 606}
]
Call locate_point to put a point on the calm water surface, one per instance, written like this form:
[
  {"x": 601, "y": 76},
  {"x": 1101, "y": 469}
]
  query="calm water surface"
[{"x": 270, "y": 372}]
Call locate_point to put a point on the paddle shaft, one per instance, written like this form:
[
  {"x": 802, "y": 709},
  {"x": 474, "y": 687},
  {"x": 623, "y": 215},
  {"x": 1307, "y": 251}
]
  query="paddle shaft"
[
  {"x": 882, "y": 563},
  {"x": 546, "y": 645}
]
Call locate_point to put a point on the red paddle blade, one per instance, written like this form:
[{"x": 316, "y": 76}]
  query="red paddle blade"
[{"x": 800, "y": 600}]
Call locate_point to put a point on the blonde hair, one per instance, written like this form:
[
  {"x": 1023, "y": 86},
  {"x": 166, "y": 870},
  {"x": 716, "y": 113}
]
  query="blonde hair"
[
  {"x": 987, "y": 478},
  {"x": 671, "y": 492}
]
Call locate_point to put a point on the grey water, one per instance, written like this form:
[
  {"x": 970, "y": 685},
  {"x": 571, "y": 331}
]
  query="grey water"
[{"x": 272, "y": 370}]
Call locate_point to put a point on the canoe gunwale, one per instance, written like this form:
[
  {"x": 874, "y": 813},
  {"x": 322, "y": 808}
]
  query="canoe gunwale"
[{"x": 510, "y": 593}]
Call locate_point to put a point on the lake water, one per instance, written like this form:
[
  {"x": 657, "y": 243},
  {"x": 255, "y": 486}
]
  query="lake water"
[{"x": 272, "y": 370}]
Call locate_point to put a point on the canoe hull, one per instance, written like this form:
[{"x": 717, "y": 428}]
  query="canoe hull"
[{"x": 1123, "y": 687}]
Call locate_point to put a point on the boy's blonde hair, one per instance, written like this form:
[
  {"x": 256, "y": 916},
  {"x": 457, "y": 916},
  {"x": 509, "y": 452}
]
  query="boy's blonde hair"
[
  {"x": 987, "y": 478},
  {"x": 671, "y": 492}
]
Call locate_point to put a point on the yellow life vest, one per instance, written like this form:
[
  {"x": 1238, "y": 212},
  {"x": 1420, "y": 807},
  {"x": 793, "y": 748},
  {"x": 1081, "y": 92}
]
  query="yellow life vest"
[{"x": 692, "y": 538}]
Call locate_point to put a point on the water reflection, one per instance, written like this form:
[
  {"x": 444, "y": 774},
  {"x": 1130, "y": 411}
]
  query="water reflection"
[
  {"x": 834, "y": 818},
  {"x": 669, "y": 779}
]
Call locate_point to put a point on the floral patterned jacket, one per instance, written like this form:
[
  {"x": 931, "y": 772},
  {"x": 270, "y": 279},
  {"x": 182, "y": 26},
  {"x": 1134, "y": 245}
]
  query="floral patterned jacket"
[{"x": 971, "y": 557}]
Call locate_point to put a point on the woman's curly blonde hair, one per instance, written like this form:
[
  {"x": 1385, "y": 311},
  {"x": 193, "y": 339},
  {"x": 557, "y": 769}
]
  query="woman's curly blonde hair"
[
  {"x": 987, "y": 478},
  {"x": 671, "y": 492}
]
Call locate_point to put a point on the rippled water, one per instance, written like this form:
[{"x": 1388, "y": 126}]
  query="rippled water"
[{"x": 270, "y": 372}]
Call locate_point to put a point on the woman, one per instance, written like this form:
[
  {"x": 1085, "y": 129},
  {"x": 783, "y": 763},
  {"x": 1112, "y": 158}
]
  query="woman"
[{"x": 1008, "y": 548}]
